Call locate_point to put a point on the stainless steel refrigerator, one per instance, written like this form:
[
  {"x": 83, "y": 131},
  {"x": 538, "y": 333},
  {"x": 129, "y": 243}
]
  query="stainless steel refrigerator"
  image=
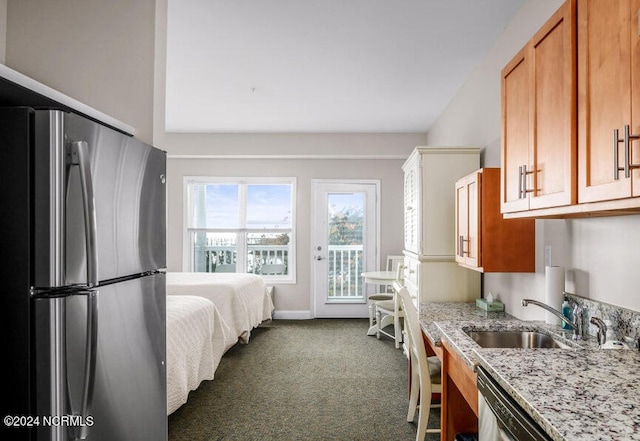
[{"x": 82, "y": 306}]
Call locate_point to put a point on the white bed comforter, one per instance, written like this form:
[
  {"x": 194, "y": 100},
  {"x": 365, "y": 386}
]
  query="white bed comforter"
[
  {"x": 242, "y": 299},
  {"x": 197, "y": 338}
]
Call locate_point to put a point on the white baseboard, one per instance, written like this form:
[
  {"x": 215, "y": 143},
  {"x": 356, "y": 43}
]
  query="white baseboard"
[{"x": 292, "y": 315}]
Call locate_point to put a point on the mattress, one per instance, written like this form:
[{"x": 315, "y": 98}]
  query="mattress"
[
  {"x": 242, "y": 299},
  {"x": 197, "y": 338}
]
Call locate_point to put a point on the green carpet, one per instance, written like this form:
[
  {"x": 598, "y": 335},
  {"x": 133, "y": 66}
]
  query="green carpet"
[{"x": 321, "y": 379}]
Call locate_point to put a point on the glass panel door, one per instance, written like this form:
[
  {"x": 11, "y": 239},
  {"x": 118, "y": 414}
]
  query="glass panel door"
[{"x": 345, "y": 234}]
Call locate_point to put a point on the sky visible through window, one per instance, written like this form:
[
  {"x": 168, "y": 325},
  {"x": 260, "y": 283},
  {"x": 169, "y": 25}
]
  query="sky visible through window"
[
  {"x": 268, "y": 206},
  {"x": 341, "y": 202}
]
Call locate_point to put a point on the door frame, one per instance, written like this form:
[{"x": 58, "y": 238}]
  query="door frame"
[{"x": 371, "y": 266}]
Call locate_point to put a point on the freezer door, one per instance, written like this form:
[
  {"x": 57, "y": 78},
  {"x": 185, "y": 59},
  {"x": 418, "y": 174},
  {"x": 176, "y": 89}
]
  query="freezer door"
[
  {"x": 103, "y": 361},
  {"x": 100, "y": 202}
]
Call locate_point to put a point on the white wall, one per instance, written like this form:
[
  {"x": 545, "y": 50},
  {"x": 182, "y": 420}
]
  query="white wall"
[
  {"x": 100, "y": 53},
  {"x": 294, "y": 300},
  {"x": 599, "y": 253},
  {"x": 3, "y": 30},
  {"x": 290, "y": 300}
]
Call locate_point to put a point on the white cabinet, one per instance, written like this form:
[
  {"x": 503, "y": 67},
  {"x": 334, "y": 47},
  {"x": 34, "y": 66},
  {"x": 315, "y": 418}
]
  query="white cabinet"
[{"x": 430, "y": 174}]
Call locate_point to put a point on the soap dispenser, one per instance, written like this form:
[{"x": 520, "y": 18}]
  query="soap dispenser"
[{"x": 566, "y": 312}]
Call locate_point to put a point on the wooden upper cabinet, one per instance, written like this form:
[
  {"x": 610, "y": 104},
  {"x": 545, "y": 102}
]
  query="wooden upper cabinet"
[
  {"x": 635, "y": 89},
  {"x": 486, "y": 241},
  {"x": 467, "y": 219},
  {"x": 539, "y": 118},
  {"x": 515, "y": 131},
  {"x": 609, "y": 99}
]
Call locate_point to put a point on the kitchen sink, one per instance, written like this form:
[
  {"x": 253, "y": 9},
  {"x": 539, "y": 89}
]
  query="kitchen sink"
[{"x": 514, "y": 339}]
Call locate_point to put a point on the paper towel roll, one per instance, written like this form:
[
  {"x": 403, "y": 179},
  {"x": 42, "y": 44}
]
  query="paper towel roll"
[{"x": 553, "y": 293}]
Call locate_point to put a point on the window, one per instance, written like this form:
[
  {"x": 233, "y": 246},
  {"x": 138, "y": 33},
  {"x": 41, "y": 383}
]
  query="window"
[{"x": 241, "y": 225}]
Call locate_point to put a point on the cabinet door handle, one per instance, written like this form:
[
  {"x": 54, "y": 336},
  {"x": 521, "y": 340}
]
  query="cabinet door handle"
[
  {"x": 616, "y": 158},
  {"x": 628, "y": 137},
  {"x": 626, "y": 142},
  {"x": 461, "y": 241},
  {"x": 520, "y": 192},
  {"x": 524, "y": 173}
]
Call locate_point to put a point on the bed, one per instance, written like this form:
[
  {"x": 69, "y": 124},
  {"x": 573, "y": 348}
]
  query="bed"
[
  {"x": 206, "y": 315},
  {"x": 243, "y": 300},
  {"x": 197, "y": 338}
]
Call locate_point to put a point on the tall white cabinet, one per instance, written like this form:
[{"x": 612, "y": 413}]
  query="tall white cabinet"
[{"x": 431, "y": 272}]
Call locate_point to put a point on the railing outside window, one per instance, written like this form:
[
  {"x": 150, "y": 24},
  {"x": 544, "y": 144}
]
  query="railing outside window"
[
  {"x": 259, "y": 257},
  {"x": 345, "y": 265}
]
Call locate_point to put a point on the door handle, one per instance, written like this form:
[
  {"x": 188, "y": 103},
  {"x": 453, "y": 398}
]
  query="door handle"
[
  {"x": 80, "y": 157},
  {"x": 319, "y": 257},
  {"x": 88, "y": 384}
]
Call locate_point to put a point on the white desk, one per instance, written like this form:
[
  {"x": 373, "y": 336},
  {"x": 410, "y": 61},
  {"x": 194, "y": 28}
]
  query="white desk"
[{"x": 383, "y": 278}]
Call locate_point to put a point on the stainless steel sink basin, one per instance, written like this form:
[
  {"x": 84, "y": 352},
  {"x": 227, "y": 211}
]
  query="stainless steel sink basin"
[{"x": 514, "y": 339}]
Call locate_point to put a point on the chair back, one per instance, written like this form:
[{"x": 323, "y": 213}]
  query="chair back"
[
  {"x": 395, "y": 263},
  {"x": 412, "y": 326}
]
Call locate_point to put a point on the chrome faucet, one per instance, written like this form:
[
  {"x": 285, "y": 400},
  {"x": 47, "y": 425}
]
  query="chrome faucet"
[
  {"x": 602, "y": 329},
  {"x": 575, "y": 323}
]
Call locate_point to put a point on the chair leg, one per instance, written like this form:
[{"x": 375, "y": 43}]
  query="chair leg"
[
  {"x": 378, "y": 318},
  {"x": 424, "y": 409},
  {"x": 397, "y": 331},
  {"x": 413, "y": 395},
  {"x": 423, "y": 415},
  {"x": 371, "y": 308}
]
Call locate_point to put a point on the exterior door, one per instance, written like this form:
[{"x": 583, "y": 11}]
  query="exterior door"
[{"x": 344, "y": 234}]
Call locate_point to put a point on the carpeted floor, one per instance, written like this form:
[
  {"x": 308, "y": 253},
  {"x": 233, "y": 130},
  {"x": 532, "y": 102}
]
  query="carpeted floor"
[{"x": 321, "y": 379}]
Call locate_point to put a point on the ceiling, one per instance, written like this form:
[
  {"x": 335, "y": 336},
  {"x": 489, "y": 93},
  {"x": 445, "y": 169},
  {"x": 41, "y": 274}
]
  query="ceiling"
[{"x": 318, "y": 66}]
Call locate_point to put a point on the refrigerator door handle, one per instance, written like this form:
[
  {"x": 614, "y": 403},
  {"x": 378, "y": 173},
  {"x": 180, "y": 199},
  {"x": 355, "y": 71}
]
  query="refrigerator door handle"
[
  {"x": 81, "y": 432},
  {"x": 80, "y": 157}
]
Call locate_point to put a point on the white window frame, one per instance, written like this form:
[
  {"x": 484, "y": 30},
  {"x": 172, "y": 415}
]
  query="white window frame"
[{"x": 289, "y": 278}]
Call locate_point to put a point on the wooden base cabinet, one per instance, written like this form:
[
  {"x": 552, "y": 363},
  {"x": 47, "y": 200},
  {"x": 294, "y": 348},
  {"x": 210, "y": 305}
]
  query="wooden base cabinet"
[
  {"x": 487, "y": 242},
  {"x": 459, "y": 396}
]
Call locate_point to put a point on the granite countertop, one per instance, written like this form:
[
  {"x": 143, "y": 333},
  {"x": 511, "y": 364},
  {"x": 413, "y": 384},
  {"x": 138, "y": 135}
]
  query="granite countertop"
[{"x": 581, "y": 393}]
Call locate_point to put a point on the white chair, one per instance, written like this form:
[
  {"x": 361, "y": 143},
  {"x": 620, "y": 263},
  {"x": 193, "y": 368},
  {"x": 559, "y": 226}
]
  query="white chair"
[
  {"x": 425, "y": 371},
  {"x": 393, "y": 264},
  {"x": 393, "y": 313}
]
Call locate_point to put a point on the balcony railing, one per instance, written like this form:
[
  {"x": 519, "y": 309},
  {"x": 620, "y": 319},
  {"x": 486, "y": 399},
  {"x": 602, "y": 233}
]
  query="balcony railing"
[
  {"x": 344, "y": 265},
  {"x": 217, "y": 258}
]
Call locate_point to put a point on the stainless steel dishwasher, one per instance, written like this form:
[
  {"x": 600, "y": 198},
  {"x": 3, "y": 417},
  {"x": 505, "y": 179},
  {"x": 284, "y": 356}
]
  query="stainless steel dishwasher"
[{"x": 500, "y": 418}]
